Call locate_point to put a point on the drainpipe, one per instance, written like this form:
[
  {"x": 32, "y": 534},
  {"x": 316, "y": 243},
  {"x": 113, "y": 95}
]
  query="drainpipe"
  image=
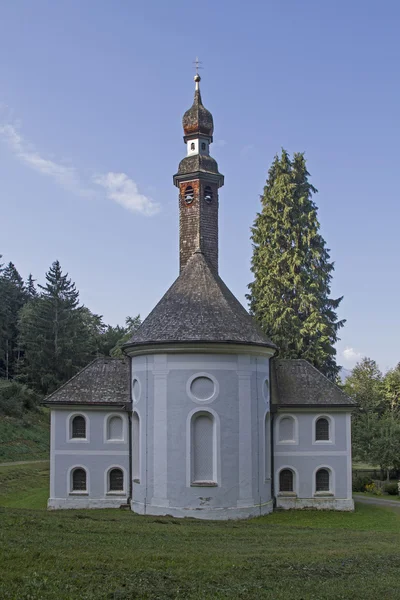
[
  {"x": 272, "y": 420},
  {"x": 130, "y": 456}
]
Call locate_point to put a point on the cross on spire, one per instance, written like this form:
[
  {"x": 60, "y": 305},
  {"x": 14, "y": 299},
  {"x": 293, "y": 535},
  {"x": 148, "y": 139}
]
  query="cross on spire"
[{"x": 197, "y": 64}]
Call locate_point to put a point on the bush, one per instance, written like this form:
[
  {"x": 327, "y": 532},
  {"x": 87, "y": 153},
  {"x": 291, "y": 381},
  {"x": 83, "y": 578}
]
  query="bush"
[
  {"x": 391, "y": 488},
  {"x": 372, "y": 488},
  {"x": 15, "y": 398},
  {"x": 360, "y": 482}
]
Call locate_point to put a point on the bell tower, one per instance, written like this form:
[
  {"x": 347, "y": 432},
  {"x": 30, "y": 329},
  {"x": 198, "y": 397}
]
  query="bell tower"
[{"x": 198, "y": 180}]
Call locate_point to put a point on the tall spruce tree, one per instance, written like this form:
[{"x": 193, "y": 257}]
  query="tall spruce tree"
[
  {"x": 12, "y": 298},
  {"x": 54, "y": 333},
  {"x": 290, "y": 294}
]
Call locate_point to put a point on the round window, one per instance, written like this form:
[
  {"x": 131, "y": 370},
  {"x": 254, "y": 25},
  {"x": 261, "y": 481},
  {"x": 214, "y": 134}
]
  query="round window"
[{"x": 202, "y": 388}]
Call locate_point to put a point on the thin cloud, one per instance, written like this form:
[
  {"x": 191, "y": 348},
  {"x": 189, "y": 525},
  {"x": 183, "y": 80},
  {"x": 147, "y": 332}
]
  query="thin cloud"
[
  {"x": 123, "y": 190},
  {"x": 66, "y": 176},
  {"x": 351, "y": 355},
  {"x": 117, "y": 186}
]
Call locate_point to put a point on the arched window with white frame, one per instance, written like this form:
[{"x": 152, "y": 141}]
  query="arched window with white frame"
[
  {"x": 287, "y": 430},
  {"x": 78, "y": 480},
  {"x": 203, "y": 449},
  {"x": 286, "y": 481},
  {"x": 115, "y": 480},
  {"x": 322, "y": 430},
  {"x": 322, "y": 480},
  {"x": 115, "y": 428},
  {"x": 78, "y": 427}
]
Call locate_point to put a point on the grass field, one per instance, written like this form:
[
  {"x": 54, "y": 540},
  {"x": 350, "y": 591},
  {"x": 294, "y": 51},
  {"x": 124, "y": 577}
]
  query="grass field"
[
  {"x": 113, "y": 554},
  {"x": 25, "y": 438}
]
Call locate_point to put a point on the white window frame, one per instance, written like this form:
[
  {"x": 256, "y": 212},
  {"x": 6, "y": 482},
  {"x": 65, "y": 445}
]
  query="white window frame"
[
  {"x": 295, "y": 481},
  {"x": 107, "y": 490},
  {"x": 198, "y": 400},
  {"x": 69, "y": 438},
  {"x": 107, "y": 418},
  {"x": 331, "y": 422},
  {"x": 216, "y": 481},
  {"x": 70, "y": 489},
  {"x": 332, "y": 481},
  {"x": 293, "y": 442}
]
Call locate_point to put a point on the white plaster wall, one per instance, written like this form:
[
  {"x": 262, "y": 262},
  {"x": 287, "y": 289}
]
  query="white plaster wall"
[
  {"x": 165, "y": 408},
  {"x": 96, "y": 455},
  {"x": 305, "y": 456}
]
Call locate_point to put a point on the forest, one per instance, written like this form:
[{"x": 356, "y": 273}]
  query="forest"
[{"x": 47, "y": 336}]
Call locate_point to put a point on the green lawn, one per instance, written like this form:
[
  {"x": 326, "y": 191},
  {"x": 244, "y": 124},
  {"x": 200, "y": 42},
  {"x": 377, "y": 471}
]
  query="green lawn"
[
  {"x": 25, "y": 438},
  {"x": 113, "y": 554}
]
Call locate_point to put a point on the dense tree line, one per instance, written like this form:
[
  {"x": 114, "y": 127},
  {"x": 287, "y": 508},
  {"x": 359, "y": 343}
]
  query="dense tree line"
[
  {"x": 290, "y": 293},
  {"x": 376, "y": 421},
  {"x": 46, "y": 334}
]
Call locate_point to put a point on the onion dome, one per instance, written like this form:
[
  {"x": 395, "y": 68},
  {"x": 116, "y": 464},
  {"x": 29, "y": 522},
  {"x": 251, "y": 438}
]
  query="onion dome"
[{"x": 198, "y": 119}]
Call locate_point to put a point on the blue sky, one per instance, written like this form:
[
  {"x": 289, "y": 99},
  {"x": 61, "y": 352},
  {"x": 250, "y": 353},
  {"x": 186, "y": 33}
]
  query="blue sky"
[{"x": 91, "y": 99}]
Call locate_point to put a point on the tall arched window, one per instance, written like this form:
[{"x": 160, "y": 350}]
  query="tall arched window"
[
  {"x": 116, "y": 480},
  {"x": 78, "y": 427},
  {"x": 322, "y": 433},
  {"x": 136, "y": 447},
  {"x": 322, "y": 481},
  {"x": 286, "y": 429},
  {"x": 286, "y": 480},
  {"x": 115, "y": 428},
  {"x": 79, "y": 483},
  {"x": 203, "y": 448}
]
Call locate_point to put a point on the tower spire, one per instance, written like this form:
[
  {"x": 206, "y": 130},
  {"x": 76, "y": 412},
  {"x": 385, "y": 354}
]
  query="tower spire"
[{"x": 198, "y": 180}]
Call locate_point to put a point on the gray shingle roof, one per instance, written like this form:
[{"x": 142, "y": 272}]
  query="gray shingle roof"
[
  {"x": 199, "y": 307},
  {"x": 198, "y": 163},
  {"x": 297, "y": 383},
  {"x": 198, "y": 119},
  {"x": 103, "y": 381}
]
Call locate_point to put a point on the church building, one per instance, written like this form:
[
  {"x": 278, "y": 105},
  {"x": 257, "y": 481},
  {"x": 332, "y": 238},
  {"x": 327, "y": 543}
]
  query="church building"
[{"x": 202, "y": 418}]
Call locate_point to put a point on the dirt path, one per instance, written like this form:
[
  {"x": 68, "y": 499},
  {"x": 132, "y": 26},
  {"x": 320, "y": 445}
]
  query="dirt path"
[
  {"x": 377, "y": 501},
  {"x": 22, "y": 462}
]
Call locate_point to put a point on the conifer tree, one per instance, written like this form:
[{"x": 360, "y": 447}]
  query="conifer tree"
[
  {"x": 30, "y": 287},
  {"x": 54, "y": 333},
  {"x": 12, "y": 298},
  {"x": 290, "y": 294}
]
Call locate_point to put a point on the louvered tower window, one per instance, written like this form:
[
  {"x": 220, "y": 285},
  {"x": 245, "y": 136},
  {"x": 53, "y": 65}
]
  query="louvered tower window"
[
  {"x": 78, "y": 427},
  {"x": 79, "y": 480},
  {"x": 116, "y": 480},
  {"x": 322, "y": 430},
  {"x": 189, "y": 194},
  {"x": 286, "y": 480},
  {"x": 322, "y": 481},
  {"x": 208, "y": 194}
]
